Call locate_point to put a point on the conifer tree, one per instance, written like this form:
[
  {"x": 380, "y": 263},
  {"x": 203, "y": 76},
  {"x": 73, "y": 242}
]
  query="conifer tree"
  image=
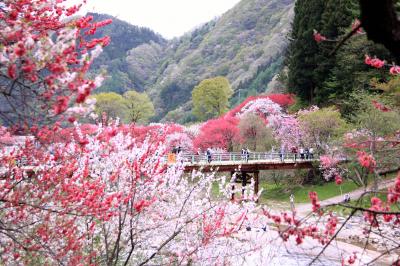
[{"x": 303, "y": 54}]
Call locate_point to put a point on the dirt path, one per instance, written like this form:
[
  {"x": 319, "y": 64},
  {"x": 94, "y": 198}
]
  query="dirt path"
[{"x": 305, "y": 208}]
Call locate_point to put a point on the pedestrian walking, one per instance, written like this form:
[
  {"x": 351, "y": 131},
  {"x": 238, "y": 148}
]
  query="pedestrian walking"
[
  {"x": 291, "y": 198},
  {"x": 346, "y": 197},
  {"x": 243, "y": 154}
]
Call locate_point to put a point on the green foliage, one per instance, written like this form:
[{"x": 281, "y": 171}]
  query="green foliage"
[
  {"x": 245, "y": 44},
  {"x": 297, "y": 106},
  {"x": 211, "y": 98},
  {"x": 324, "y": 191},
  {"x": 258, "y": 83},
  {"x": 378, "y": 123},
  {"x": 323, "y": 127},
  {"x": 390, "y": 88},
  {"x": 112, "y": 104},
  {"x": 139, "y": 107},
  {"x": 113, "y": 59},
  {"x": 304, "y": 54},
  {"x": 315, "y": 74},
  {"x": 350, "y": 73}
]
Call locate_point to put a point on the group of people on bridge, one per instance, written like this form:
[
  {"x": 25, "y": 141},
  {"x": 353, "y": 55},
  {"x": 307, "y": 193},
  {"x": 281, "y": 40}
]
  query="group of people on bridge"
[
  {"x": 245, "y": 155},
  {"x": 305, "y": 153}
]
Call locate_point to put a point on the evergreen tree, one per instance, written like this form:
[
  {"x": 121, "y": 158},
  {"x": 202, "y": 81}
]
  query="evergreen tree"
[
  {"x": 303, "y": 53},
  {"x": 310, "y": 62},
  {"x": 336, "y": 20}
]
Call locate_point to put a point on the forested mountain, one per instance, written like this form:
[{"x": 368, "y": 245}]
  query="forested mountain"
[
  {"x": 124, "y": 37},
  {"x": 246, "y": 45},
  {"x": 245, "y": 41}
]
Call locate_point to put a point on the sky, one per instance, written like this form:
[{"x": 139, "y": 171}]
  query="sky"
[{"x": 170, "y": 18}]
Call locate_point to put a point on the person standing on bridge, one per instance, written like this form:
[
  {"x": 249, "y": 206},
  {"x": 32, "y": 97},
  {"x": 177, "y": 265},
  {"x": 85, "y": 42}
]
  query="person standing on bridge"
[
  {"x": 294, "y": 151},
  {"x": 301, "y": 153},
  {"x": 209, "y": 156},
  {"x": 247, "y": 154},
  {"x": 243, "y": 152},
  {"x": 282, "y": 153},
  {"x": 311, "y": 151},
  {"x": 307, "y": 153}
]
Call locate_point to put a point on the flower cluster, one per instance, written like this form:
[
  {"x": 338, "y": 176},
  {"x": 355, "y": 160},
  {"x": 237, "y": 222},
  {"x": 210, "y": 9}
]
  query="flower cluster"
[
  {"x": 318, "y": 37},
  {"x": 314, "y": 201},
  {"x": 380, "y": 106},
  {"x": 378, "y": 63},
  {"x": 330, "y": 169},
  {"x": 44, "y": 53},
  {"x": 107, "y": 183},
  {"x": 366, "y": 160},
  {"x": 374, "y": 62}
]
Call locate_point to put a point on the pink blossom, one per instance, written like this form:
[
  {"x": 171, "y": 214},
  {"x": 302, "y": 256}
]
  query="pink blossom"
[
  {"x": 318, "y": 37},
  {"x": 395, "y": 70}
]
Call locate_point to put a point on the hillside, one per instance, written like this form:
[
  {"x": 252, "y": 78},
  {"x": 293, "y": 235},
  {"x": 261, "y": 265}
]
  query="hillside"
[
  {"x": 246, "y": 40},
  {"x": 246, "y": 45},
  {"x": 124, "y": 37}
]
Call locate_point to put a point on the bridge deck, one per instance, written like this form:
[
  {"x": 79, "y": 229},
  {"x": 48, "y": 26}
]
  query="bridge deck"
[{"x": 229, "y": 162}]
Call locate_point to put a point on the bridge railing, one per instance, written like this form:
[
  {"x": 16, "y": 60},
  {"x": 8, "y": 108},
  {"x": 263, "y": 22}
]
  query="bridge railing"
[{"x": 237, "y": 156}]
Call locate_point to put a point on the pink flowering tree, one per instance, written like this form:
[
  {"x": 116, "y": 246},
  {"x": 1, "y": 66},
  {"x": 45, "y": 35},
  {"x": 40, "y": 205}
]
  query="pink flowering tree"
[
  {"x": 107, "y": 198},
  {"x": 45, "y": 54},
  {"x": 270, "y": 108}
]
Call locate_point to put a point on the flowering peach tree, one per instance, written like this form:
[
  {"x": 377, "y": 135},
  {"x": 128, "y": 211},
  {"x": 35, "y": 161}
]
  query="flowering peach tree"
[{"x": 45, "y": 53}]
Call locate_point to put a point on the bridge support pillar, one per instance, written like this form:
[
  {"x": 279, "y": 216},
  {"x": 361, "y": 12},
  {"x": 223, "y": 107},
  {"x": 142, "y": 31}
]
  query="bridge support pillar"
[{"x": 244, "y": 178}]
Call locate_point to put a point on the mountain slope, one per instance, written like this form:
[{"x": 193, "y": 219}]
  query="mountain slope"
[
  {"x": 124, "y": 37},
  {"x": 246, "y": 45},
  {"x": 242, "y": 43}
]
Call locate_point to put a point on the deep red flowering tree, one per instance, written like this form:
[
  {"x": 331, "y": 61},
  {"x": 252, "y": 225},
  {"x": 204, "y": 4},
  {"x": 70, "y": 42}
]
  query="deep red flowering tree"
[{"x": 220, "y": 133}]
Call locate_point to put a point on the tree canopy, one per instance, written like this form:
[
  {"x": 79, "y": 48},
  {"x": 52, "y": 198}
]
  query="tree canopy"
[
  {"x": 211, "y": 98},
  {"x": 112, "y": 104},
  {"x": 138, "y": 106}
]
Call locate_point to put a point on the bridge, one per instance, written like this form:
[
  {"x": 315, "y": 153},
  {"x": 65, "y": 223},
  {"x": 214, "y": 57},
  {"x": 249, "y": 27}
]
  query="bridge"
[{"x": 246, "y": 167}]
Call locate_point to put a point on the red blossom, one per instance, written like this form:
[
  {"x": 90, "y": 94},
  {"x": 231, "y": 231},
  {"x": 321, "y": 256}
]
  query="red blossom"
[
  {"x": 374, "y": 62},
  {"x": 314, "y": 201},
  {"x": 366, "y": 160},
  {"x": 12, "y": 71},
  {"x": 318, "y": 37},
  {"x": 395, "y": 70},
  {"x": 356, "y": 24},
  {"x": 380, "y": 106},
  {"x": 338, "y": 180},
  {"x": 61, "y": 105},
  {"x": 218, "y": 133}
]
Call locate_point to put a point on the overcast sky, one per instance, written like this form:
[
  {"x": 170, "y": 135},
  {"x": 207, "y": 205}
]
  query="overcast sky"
[{"x": 170, "y": 18}]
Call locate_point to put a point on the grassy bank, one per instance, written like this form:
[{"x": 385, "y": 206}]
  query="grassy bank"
[{"x": 325, "y": 191}]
